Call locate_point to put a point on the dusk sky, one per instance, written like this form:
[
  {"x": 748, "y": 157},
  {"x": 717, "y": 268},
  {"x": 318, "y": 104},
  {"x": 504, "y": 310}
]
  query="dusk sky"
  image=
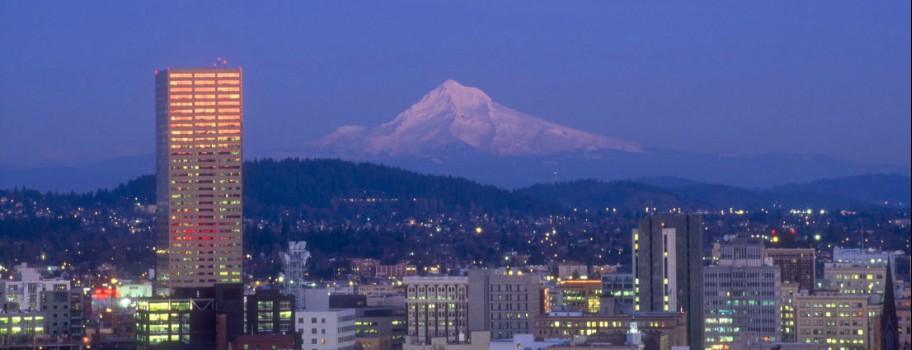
[{"x": 827, "y": 77}]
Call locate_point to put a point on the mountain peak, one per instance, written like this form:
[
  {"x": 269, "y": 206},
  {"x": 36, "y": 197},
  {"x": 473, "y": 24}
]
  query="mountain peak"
[
  {"x": 453, "y": 118},
  {"x": 456, "y": 93}
]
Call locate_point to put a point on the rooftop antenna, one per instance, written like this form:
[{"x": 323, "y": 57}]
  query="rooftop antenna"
[{"x": 220, "y": 61}]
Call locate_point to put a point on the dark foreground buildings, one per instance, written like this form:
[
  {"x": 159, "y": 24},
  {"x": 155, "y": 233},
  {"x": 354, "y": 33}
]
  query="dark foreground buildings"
[{"x": 668, "y": 269}]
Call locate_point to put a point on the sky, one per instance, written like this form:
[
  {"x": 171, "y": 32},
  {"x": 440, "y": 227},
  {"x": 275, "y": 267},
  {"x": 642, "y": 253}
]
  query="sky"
[{"x": 816, "y": 77}]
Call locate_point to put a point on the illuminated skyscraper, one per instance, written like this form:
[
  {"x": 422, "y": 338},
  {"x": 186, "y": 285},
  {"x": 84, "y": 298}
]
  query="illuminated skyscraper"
[
  {"x": 198, "y": 114},
  {"x": 668, "y": 269}
]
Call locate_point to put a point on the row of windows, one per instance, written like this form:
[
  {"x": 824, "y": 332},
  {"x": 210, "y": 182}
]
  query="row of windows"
[
  {"x": 205, "y": 110},
  {"x": 205, "y": 117},
  {"x": 204, "y": 82},
  {"x": 204, "y": 75},
  {"x": 208, "y": 145},
  {"x": 205, "y": 89}
]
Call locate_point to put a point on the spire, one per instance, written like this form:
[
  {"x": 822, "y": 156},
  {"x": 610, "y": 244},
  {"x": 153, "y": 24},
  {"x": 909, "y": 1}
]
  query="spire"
[{"x": 889, "y": 326}]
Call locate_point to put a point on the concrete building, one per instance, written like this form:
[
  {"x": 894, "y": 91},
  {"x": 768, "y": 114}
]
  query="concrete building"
[
  {"x": 852, "y": 278},
  {"x": 400, "y": 270},
  {"x": 742, "y": 295},
  {"x": 478, "y": 340},
  {"x": 797, "y": 265},
  {"x": 437, "y": 307},
  {"x": 834, "y": 320},
  {"x": 668, "y": 328},
  {"x": 25, "y": 288},
  {"x": 904, "y": 319},
  {"x": 619, "y": 286},
  {"x": 788, "y": 292},
  {"x": 866, "y": 257},
  {"x": 526, "y": 342},
  {"x": 191, "y": 318},
  {"x": 503, "y": 301},
  {"x": 577, "y": 295},
  {"x": 63, "y": 313},
  {"x": 20, "y": 328},
  {"x": 668, "y": 269},
  {"x": 269, "y": 312},
  {"x": 379, "y": 328},
  {"x": 326, "y": 330},
  {"x": 199, "y": 162}
]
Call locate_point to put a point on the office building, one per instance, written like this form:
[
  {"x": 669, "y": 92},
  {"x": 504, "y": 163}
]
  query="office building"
[
  {"x": 198, "y": 115},
  {"x": 797, "y": 265},
  {"x": 437, "y": 307},
  {"x": 787, "y": 294},
  {"x": 620, "y": 287},
  {"x": 191, "y": 318},
  {"x": 577, "y": 295},
  {"x": 852, "y": 278},
  {"x": 25, "y": 288},
  {"x": 834, "y": 320},
  {"x": 63, "y": 313},
  {"x": 503, "y": 301},
  {"x": 670, "y": 327},
  {"x": 379, "y": 328},
  {"x": 269, "y": 312},
  {"x": 326, "y": 330},
  {"x": 668, "y": 269},
  {"x": 866, "y": 257},
  {"x": 742, "y": 296}
]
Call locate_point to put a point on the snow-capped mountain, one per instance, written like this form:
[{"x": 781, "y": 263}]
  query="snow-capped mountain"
[{"x": 457, "y": 117}]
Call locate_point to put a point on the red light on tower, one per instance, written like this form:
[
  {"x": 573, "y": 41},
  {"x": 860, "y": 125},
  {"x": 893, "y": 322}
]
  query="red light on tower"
[
  {"x": 773, "y": 231},
  {"x": 792, "y": 231}
]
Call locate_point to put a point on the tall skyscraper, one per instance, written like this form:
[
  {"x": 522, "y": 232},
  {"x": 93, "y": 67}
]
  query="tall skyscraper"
[
  {"x": 198, "y": 114},
  {"x": 668, "y": 269}
]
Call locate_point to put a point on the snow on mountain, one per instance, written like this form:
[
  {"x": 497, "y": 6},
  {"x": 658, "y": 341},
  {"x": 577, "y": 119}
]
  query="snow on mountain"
[{"x": 453, "y": 116}]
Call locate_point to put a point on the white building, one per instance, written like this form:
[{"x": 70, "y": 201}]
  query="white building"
[
  {"x": 326, "y": 330},
  {"x": 26, "y": 287}
]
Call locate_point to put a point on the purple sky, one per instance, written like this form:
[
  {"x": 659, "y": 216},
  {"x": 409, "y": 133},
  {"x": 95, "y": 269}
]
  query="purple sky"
[{"x": 829, "y": 77}]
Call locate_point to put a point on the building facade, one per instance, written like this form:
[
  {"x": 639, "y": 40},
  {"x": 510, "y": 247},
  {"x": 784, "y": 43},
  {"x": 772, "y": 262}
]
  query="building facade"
[
  {"x": 742, "y": 295},
  {"x": 199, "y": 171},
  {"x": 797, "y": 265},
  {"x": 379, "y": 328},
  {"x": 570, "y": 325},
  {"x": 326, "y": 330},
  {"x": 437, "y": 307},
  {"x": 668, "y": 269},
  {"x": 833, "y": 320},
  {"x": 503, "y": 302},
  {"x": 269, "y": 312},
  {"x": 619, "y": 286}
]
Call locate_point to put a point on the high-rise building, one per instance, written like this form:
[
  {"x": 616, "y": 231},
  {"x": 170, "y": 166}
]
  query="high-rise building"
[
  {"x": 742, "y": 296},
  {"x": 198, "y": 183},
  {"x": 503, "y": 302},
  {"x": 668, "y": 269},
  {"x": 797, "y": 265},
  {"x": 436, "y": 307},
  {"x": 620, "y": 287}
]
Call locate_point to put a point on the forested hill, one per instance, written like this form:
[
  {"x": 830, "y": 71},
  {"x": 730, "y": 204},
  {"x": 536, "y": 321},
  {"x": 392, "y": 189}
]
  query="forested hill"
[{"x": 294, "y": 184}]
